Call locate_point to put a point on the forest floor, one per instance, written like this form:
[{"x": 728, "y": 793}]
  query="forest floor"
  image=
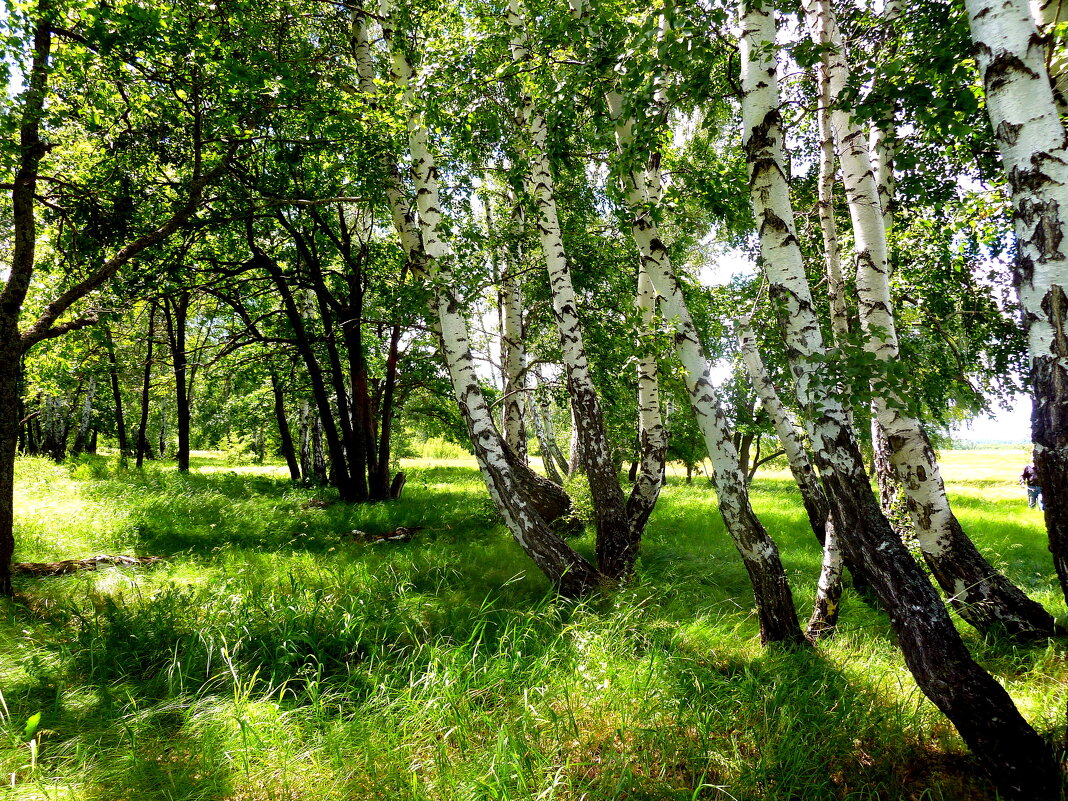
[{"x": 275, "y": 655}]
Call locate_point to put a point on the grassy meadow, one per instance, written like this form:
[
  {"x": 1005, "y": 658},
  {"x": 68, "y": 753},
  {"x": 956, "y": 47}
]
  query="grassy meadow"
[{"x": 275, "y": 656}]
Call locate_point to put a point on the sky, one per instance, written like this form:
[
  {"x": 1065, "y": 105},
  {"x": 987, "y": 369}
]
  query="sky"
[{"x": 1009, "y": 425}]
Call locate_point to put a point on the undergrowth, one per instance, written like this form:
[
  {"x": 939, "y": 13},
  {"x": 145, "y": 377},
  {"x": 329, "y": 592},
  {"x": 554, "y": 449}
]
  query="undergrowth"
[{"x": 276, "y": 656}]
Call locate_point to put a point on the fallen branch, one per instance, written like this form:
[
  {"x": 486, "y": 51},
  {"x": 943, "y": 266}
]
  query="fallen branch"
[{"x": 75, "y": 565}]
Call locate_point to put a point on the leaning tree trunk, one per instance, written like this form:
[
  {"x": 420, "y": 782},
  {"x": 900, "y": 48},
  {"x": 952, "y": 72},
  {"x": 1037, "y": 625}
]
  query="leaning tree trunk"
[
  {"x": 1033, "y": 146},
  {"x": 284, "y": 435},
  {"x": 760, "y": 555},
  {"x": 786, "y": 428},
  {"x": 617, "y": 539},
  {"x": 1019, "y": 761},
  {"x": 513, "y": 491},
  {"x": 824, "y": 617},
  {"x": 980, "y": 595}
]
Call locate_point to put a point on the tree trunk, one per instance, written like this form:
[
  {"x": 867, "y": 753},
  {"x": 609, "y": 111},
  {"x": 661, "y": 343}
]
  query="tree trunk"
[
  {"x": 652, "y": 435},
  {"x": 617, "y": 539},
  {"x": 177, "y": 310},
  {"x": 547, "y": 459},
  {"x": 83, "y": 435},
  {"x": 380, "y": 487},
  {"x": 774, "y": 601},
  {"x": 513, "y": 351},
  {"x": 10, "y": 383},
  {"x": 808, "y": 482},
  {"x": 143, "y": 447},
  {"x": 982, "y": 596},
  {"x": 1020, "y": 762},
  {"x": 1031, "y": 137},
  {"x": 284, "y": 435},
  {"x": 120, "y": 419},
  {"x": 325, "y": 416}
]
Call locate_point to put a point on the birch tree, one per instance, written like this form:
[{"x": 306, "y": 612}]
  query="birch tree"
[
  {"x": 1032, "y": 140},
  {"x": 516, "y": 493},
  {"x": 982, "y": 596},
  {"x": 617, "y": 537},
  {"x": 778, "y": 618},
  {"x": 1018, "y": 760}
]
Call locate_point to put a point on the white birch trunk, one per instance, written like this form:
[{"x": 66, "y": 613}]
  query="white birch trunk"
[
  {"x": 785, "y": 427},
  {"x": 617, "y": 539},
  {"x": 1047, "y": 14},
  {"x": 1031, "y": 137},
  {"x": 513, "y": 355},
  {"x": 571, "y": 573},
  {"x": 652, "y": 435},
  {"x": 832, "y": 253},
  {"x": 778, "y": 618},
  {"x": 1019, "y": 761},
  {"x": 981, "y": 595}
]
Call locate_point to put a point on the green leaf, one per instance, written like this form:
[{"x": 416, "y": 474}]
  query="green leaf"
[{"x": 31, "y": 726}]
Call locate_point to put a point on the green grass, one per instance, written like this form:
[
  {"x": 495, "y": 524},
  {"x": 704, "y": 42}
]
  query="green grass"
[{"x": 273, "y": 656}]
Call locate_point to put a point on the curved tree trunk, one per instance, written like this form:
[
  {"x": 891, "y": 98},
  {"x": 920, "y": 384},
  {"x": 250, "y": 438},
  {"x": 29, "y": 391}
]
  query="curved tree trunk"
[
  {"x": 774, "y": 601},
  {"x": 982, "y": 596},
  {"x": 1019, "y": 761}
]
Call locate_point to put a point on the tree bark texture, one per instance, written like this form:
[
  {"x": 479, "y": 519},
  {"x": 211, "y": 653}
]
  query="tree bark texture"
[
  {"x": 1019, "y": 761},
  {"x": 774, "y": 601},
  {"x": 618, "y": 540},
  {"x": 982, "y": 596},
  {"x": 1031, "y": 137},
  {"x": 652, "y": 434},
  {"x": 786, "y": 428}
]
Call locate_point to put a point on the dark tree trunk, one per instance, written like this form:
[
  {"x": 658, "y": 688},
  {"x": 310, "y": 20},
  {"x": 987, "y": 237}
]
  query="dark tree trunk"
[
  {"x": 284, "y": 435},
  {"x": 163, "y": 431},
  {"x": 143, "y": 448},
  {"x": 1019, "y": 761},
  {"x": 177, "y": 311},
  {"x": 10, "y": 380},
  {"x": 120, "y": 419},
  {"x": 1049, "y": 431},
  {"x": 325, "y": 416},
  {"x": 379, "y": 488}
]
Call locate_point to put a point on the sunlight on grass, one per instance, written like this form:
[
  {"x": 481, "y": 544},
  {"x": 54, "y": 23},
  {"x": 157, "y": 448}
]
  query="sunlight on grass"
[{"x": 275, "y": 656}]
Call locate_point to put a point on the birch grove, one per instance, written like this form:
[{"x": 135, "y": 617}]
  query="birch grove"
[
  {"x": 979, "y": 707},
  {"x": 980, "y": 594}
]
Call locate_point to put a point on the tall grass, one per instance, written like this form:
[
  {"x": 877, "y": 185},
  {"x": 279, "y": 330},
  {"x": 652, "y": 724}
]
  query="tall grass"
[{"x": 274, "y": 656}]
